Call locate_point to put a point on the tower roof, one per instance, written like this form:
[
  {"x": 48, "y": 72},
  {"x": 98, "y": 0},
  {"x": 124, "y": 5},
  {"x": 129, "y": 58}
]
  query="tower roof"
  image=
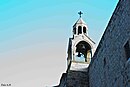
[{"x": 79, "y": 21}]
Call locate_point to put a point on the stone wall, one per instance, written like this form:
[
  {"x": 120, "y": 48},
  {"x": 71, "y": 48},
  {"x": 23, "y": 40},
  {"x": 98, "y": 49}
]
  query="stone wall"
[
  {"x": 75, "y": 76},
  {"x": 77, "y": 79},
  {"x": 109, "y": 66},
  {"x": 74, "y": 79}
]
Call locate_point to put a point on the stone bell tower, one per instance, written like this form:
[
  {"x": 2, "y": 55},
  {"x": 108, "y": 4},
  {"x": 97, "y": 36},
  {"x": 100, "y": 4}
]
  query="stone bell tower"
[
  {"x": 80, "y": 48},
  {"x": 80, "y": 51}
]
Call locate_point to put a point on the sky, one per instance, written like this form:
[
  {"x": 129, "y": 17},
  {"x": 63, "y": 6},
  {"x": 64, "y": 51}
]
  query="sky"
[{"x": 34, "y": 37}]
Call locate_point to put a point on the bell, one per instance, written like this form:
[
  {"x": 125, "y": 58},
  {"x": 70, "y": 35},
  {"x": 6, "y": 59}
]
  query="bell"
[{"x": 83, "y": 46}]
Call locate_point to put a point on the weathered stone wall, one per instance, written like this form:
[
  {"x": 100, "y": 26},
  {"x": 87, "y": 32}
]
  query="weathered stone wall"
[
  {"x": 75, "y": 76},
  {"x": 77, "y": 79},
  {"x": 74, "y": 79},
  {"x": 109, "y": 66}
]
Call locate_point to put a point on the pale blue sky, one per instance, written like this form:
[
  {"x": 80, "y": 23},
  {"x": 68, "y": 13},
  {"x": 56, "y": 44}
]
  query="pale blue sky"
[{"x": 34, "y": 36}]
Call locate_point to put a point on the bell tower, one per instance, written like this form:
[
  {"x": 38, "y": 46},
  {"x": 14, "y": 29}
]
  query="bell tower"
[
  {"x": 80, "y": 52},
  {"x": 80, "y": 47}
]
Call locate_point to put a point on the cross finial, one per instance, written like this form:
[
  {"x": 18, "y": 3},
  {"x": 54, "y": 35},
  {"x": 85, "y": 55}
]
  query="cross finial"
[{"x": 80, "y": 14}]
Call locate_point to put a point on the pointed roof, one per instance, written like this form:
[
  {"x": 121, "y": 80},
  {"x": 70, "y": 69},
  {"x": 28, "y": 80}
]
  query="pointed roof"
[{"x": 79, "y": 21}]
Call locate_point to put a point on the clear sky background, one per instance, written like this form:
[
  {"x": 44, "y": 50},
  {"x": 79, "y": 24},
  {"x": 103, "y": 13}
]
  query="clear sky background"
[{"x": 34, "y": 37}]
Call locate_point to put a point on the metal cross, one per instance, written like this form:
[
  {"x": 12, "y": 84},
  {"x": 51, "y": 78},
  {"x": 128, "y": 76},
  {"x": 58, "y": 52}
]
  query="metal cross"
[{"x": 80, "y": 14}]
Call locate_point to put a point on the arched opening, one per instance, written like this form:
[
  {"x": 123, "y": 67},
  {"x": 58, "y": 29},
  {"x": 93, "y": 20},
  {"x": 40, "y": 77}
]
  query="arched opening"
[
  {"x": 84, "y": 29},
  {"x": 79, "y": 30},
  {"x": 74, "y": 30},
  {"x": 83, "y": 52}
]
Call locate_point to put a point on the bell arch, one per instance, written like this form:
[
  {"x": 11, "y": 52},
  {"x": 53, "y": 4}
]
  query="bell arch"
[
  {"x": 74, "y": 31},
  {"x": 79, "y": 30},
  {"x": 83, "y": 51},
  {"x": 84, "y": 29}
]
